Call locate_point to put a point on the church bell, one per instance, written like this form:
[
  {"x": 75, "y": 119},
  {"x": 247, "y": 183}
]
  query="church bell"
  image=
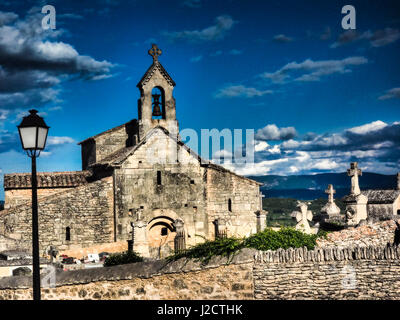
[{"x": 156, "y": 106}]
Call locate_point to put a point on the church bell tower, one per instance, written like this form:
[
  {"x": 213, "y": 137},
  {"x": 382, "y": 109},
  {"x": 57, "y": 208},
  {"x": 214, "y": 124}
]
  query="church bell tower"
[{"x": 156, "y": 106}]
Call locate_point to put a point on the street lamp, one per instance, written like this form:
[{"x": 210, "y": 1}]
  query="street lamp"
[{"x": 33, "y": 133}]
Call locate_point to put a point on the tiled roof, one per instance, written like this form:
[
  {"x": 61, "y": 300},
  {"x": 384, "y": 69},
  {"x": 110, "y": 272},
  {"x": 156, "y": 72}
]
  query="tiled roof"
[
  {"x": 381, "y": 196},
  {"x": 46, "y": 179}
]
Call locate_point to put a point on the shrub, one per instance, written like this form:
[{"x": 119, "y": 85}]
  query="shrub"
[
  {"x": 122, "y": 258},
  {"x": 284, "y": 238}
]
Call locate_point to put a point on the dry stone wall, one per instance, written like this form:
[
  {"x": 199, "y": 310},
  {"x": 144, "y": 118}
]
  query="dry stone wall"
[
  {"x": 367, "y": 272},
  {"x": 146, "y": 280}
]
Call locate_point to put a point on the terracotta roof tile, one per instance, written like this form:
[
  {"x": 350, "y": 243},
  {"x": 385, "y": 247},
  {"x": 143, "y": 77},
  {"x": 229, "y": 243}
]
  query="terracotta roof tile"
[{"x": 46, "y": 179}]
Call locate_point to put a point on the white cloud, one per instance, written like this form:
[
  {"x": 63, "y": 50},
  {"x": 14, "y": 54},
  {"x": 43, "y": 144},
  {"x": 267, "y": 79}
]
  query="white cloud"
[
  {"x": 310, "y": 70},
  {"x": 369, "y": 127},
  {"x": 282, "y": 38},
  {"x": 234, "y": 91},
  {"x": 390, "y": 94},
  {"x": 272, "y": 133},
  {"x": 33, "y": 63},
  {"x": 260, "y": 146},
  {"x": 379, "y": 38},
  {"x": 56, "y": 141},
  {"x": 216, "y": 32}
]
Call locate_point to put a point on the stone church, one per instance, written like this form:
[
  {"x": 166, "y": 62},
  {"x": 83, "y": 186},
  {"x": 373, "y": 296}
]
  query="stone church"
[{"x": 140, "y": 181}]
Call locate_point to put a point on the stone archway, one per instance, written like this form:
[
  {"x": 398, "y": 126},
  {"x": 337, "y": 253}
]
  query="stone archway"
[{"x": 161, "y": 232}]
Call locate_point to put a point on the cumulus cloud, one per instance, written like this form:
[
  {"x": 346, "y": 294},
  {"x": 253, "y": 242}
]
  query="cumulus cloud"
[
  {"x": 7, "y": 17},
  {"x": 33, "y": 62},
  {"x": 56, "y": 141},
  {"x": 375, "y": 145},
  {"x": 272, "y": 133},
  {"x": 281, "y": 38},
  {"x": 234, "y": 91},
  {"x": 310, "y": 70},
  {"x": 391, "y": 94},
  {"x": 376, "y": 39},
  {"x": 216, "y": 32}
]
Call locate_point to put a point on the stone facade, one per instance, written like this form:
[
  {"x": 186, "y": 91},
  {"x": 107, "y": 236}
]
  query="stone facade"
[
  {"x": 86, "y": 210},
  {"x": 138, "y": 180}
]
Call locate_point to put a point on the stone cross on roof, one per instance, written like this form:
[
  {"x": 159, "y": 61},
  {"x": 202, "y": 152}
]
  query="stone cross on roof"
[
  {"x": 155, "y": 52},
  {"x": 330, "y": 191},
  {"x": 354, "y": 172}
]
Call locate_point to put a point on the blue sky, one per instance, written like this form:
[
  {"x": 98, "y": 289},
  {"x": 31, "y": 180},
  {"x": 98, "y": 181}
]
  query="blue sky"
[{"x": 316, "y": 95}]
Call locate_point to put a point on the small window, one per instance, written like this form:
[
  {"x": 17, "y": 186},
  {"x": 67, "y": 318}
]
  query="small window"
[
  {"x": 229, "y": 205},
  {"x": 398, "y": 212},
  {"x": 67, "y": 233},
  {"x": 164, "y": 231},
  {"x": 191, "y": 181},
  {"x": 159, "y": 178},
  {"x": 141, "y": 207}
]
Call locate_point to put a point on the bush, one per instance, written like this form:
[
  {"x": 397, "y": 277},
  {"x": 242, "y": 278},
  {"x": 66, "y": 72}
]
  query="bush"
[
  {"x": 122, "y": 258},
  {"x": 284, "y": 238}
]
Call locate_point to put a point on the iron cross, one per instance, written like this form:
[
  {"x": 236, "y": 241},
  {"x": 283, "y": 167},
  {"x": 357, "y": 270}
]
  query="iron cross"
[{"x": 155, "y": 52}]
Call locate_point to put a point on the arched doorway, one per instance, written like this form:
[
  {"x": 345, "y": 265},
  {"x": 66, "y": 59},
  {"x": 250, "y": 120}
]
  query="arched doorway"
[{"x": 161, "y": 235}]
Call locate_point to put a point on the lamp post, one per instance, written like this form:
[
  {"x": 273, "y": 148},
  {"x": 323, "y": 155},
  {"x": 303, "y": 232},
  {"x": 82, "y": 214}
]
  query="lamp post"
[{"x": 33, "y": 133}]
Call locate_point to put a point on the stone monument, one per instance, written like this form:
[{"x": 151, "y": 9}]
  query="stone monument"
[
  {"x": 330, "y": 212},
  {"x": 356, "y": 203},
  {"x": 303, "y": 217}
]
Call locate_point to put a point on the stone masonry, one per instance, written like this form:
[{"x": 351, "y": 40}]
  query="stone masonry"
[{"x": 371, "y": 272}]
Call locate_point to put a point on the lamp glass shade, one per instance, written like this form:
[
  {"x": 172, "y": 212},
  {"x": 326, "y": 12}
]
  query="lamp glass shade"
[
  {"x": 28, "y": 137},
  {"x": 42, "y": 137},
  {"x": 33, "y": 132}
]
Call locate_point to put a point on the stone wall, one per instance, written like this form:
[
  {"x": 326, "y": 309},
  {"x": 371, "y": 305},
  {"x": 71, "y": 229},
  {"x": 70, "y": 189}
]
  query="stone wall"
[
  {"x": 102, "y": 145},
  {"x": 16, "y": 197},
  {"x": 244, "y": 195},
  {"x": 324, "y": 273},
  {"x": 87, "y": 210},
  {"x": 329, "y": 273},
  {"x": 180, "y": 280}
]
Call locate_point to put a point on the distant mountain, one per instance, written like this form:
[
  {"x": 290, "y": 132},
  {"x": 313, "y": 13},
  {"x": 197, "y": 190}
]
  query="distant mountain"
[{"x": 306, "y": 187}]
